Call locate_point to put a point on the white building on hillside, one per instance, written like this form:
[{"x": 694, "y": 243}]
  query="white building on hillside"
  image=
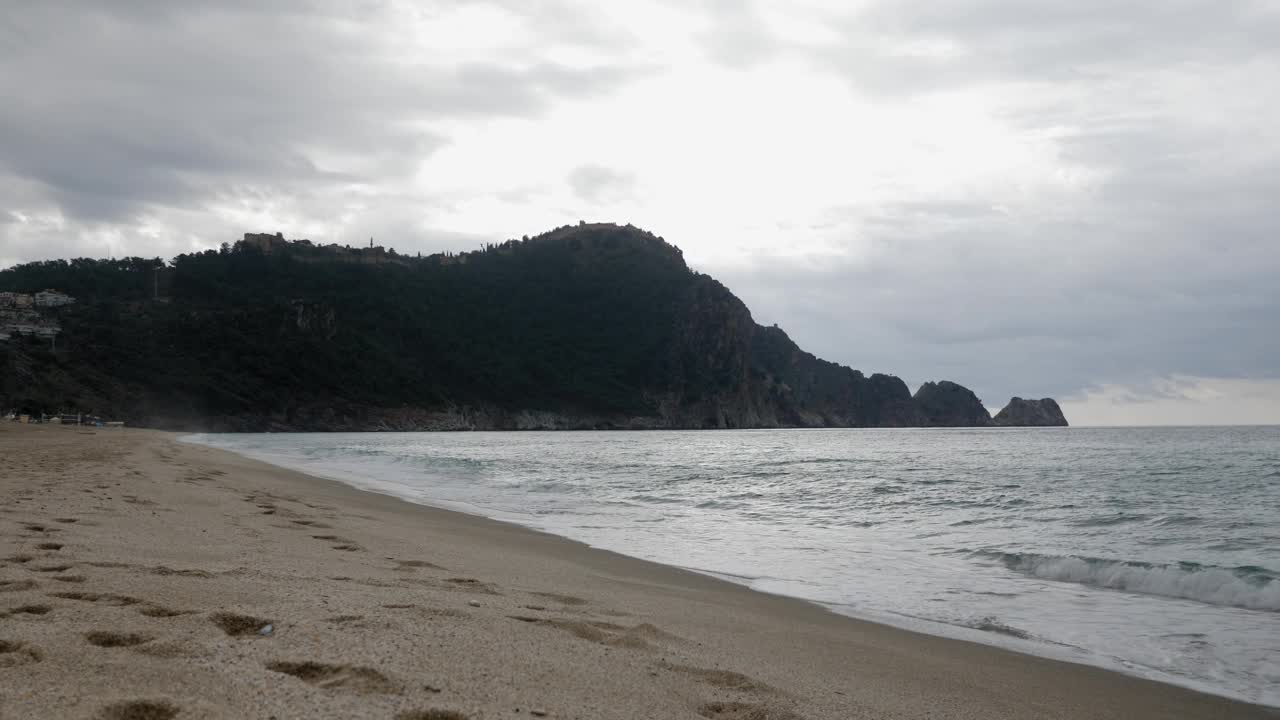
[
  {"x": 13, "y": 300},
  {"x": 52, "y": 298}
]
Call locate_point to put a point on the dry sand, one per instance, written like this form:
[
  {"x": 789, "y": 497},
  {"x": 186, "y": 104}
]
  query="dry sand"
[{"x": 136, "y": 573}]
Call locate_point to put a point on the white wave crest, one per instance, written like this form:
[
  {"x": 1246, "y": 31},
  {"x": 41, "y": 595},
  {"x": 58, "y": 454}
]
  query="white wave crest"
[{"x": 1241, "y": 587}]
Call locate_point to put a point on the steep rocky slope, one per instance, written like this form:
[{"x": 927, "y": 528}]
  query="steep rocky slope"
[
  {"x": 591, "y": 326},
  {"x": 947, "y": 404}
]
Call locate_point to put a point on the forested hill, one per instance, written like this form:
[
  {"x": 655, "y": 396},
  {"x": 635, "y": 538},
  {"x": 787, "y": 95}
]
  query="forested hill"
[{"x": 593, "y": 326}]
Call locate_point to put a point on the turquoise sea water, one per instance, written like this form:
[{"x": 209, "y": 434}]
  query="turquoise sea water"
[{"x": 1151, "y": 551}]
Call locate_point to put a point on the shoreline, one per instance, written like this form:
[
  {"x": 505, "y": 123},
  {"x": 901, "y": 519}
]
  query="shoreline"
[
  {"x": 356, "y": 588},
  {"x": 906, "y": 623},
  {"x": 979, "y": 625}
]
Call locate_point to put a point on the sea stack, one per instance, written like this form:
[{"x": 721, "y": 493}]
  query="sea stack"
[
  {"x": 949, "y": 404},
  {"x": 1031, "y": 413}
]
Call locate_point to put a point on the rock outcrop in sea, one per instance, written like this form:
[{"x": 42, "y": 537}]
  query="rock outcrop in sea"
[
  {"x": 1031, "y": 413},
  {"x": 949, "y": 404}
]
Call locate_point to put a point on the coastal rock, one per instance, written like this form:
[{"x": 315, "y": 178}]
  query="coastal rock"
[
  {"x": 592, "y": 326},
  {"x": 948, "y": 404},
  {"x": 1031, "y": 413}
]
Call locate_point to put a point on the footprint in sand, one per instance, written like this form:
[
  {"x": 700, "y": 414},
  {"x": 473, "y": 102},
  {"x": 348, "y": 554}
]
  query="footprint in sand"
[
  {"x": 135, "y": 500},
  {"x": 139, "y": 710},
  {"x": 172, "y": 649},
  {"x": 726, "y": 679},
  {"x": 92, "y": 597},
  {"x": 237, "y": 625},
  {"x": 472, "y": 585},
  {"x": 17, "y": 585},
  {"x": 361, "y": 622},
  {"x": 343, "y": 544},
  {"x": 14, "y": 653},
  {"x": 350, "y": 678},
  {"x": 185, "y": 572},
  {"x": 370, "y": 582},
  {"x": 109, "y": 639},
  {"x": 638, "y": 637},
  {"x": 432, "y": 714},
  {"x": 70, "y": 578},
  {"x": 435, "y": 612},
  {"x": 562, "y": 599},
  {"x": 311, "y": 523},
  {"x": 28, "y": 610},
  {"x": 744, "y": 711},
  {"x": 159, "y": 611},
  {"x": 49, "y": 546},
  {"x": 344, "y": 619},
  {"x": 411, "y": 565}
]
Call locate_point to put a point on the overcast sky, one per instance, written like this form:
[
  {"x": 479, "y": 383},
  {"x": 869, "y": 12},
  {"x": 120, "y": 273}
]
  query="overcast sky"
[{"x": 1078, "y": 199}]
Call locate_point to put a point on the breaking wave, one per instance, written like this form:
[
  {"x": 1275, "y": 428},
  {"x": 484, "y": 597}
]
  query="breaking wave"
[
  {"x": 1249, "y": 586},
  {"x": 993, "y": 624}
]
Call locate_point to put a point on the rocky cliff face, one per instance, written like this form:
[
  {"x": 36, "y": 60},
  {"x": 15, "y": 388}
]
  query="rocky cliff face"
[
  {"x": 806, "y": 391},
  {"x": 1031, "y": 413},
  {"x": 948, "y": 404},
  {"x": 591, "y": 326}
]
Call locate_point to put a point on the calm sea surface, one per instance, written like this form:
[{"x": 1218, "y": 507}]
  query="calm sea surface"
[{"x": 1151, "y": 551}]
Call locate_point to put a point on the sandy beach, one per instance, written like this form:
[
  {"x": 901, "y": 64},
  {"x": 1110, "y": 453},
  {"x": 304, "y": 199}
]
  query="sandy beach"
[{"x": 143, "y": 578}]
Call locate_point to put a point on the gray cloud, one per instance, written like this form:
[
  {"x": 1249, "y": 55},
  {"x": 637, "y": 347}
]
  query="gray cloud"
[
  {"x": 898, "y": 47},
  {"x": 1161, "y": 262},
  {"x": 597, "y": 184},
  {"x": 1165, "y": 265},
  {"x": 115, "y": 109},
  {"x": 738, "y": 35},
  {"x": 1131, "y": 290}
]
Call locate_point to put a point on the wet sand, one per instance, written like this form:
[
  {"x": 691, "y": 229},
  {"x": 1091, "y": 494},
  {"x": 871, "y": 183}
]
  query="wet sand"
[{"x": 142, "y": 578}]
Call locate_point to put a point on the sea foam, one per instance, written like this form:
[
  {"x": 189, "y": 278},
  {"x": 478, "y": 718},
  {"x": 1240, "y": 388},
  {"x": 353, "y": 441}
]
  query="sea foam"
[{"x": 1249, "y": 587}]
